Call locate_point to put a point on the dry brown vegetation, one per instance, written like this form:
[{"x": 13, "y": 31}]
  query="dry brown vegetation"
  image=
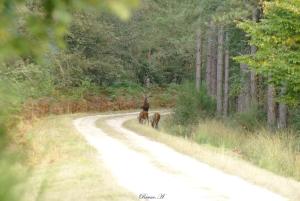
[
  {"x": 46, "y": 106},
  {"x": 91, "y": 103}
]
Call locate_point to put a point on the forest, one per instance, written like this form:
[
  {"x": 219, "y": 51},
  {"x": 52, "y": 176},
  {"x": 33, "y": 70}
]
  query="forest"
[{"x": 229, "y": 70}]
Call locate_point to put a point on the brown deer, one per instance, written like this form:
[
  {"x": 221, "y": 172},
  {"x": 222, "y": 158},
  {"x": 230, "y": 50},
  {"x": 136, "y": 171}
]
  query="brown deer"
[
  {"x": 145, "y": 105},
  {"x": 143, "y": 116},
  {"x": 155, "y": 119}
]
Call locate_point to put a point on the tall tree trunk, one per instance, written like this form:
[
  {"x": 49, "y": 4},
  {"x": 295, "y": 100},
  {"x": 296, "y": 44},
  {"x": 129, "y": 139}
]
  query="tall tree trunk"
[
  {"x": 244, "y": 97},
  {"x": 283, "y": 110},
  {"x": 260, "y": 90},
  {"x": 253, "y": 87},
  {"x": 209, "y": 59},
  {"x": 146, "y": 76},
  {"x": 253, "y": 82},
  {"x": 271, "y": 106},
  {"x": 240, "y": 103},
  {"x": 220, "y": 63},
  {"x": 214, "y": 62},
  {"x": 226, "y": 78},
  {"x": 198, "y": 60}
]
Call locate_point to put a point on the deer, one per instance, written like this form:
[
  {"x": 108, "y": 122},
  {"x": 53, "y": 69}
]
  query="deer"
[
  {"x": 155, "y": 119},
  {"x": 143, "y": 116},
  {"x": 145, "y": 105}
]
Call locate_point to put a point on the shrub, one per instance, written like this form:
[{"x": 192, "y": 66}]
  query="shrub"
[
  {"x": 295, "y": 119},
  {"x": 168, "y": 125},
  {"x": 192, "y": 105},
  {"x": 10, "y": 101},
  {"x": 250, "y": 119}
]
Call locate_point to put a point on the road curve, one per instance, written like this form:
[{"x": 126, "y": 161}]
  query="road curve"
[{"x": 152, "y": 170}]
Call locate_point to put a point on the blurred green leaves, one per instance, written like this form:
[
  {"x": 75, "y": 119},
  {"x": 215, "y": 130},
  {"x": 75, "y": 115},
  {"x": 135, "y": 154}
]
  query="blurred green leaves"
[
  {"x": 29, "y": 31},
  {"x": 31, "y": 27}
]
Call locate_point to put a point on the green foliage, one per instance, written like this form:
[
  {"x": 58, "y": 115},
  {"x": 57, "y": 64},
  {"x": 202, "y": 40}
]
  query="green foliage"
[
  {"x": 107, "y": 50},
  {"x": 278, "y": 42},
  {"x": 30, "y": 29},
  {"x": 192, "y": 105},
  {"x": 250, "y": 120},
  {"x": 11, "y": 99},
  {"x": 9, "y": 178},
  {"x": 41, "y": 24},
  {"x": 105, "y": 56},
  {"x": 294, "y": 119},
  {"x": 10, "y": 102},
  {"x": 125, "y": 89}
]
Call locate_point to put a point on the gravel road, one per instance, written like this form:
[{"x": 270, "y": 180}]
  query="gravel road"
[{"x": 154, "y": 171}]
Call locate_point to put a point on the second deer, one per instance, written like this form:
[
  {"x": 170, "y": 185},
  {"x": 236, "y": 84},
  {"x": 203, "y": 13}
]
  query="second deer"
[{"x": 155, "y": 119}]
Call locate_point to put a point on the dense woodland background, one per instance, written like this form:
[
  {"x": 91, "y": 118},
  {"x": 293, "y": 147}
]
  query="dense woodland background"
[{"x": 224, "y": 59}]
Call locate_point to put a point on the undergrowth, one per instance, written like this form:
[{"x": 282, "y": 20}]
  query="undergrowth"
[{"x": 278, "y": 152}]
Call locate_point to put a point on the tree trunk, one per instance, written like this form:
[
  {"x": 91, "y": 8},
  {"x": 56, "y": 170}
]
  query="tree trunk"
[
  {"x": 271, "y": 106},
  {"x": 260, "y": 90},
  {"x": 283, "y": 110},
  {"x": 253, "y": 82},
  {"x": 220, "y": 63},
  {"x": 226, "y": 79},
  {"x": 209, "y": 59},
  {"x": 253, "y": 87},
  {"x": 240, "y": 103},
  {"x": 214, "y": 58},
  {"x": 244, "y": 97},
  {"x": 198, "y": 60},
  {"x": 147, "y": 81}
]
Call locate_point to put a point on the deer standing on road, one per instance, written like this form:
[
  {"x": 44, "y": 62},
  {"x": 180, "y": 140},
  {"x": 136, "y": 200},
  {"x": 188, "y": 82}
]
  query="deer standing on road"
[
  {"x": 143, "y": 116},
  {"x": 155, "y": 119},
  {"x": 146, "y": 105}
]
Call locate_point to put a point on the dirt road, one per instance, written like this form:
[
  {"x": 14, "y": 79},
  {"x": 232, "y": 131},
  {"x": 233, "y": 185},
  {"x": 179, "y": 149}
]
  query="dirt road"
[{"x": 152, "y": 170}]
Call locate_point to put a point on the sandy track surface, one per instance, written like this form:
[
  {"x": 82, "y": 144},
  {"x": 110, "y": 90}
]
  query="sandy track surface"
[{"x": 152, "y": 170}]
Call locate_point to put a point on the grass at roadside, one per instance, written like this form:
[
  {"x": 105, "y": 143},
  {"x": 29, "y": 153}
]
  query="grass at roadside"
[
  {"x": 64, "y": 167},
  {"x": 229, "y": 160},
  {"x": 278, "y": 152}
]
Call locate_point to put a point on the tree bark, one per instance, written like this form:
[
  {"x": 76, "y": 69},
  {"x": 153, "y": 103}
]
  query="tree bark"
[
  {"x": 220, "y": 63},
  {"x": 283, "y": 111},
  {"x": 253, "y": 82},
  {"x": 271, "y": 106},
  {"x": 209, "y": 59},
  {"x": 198, "y": 60},
  {"x": 240, "y": 103},
  {"x": 226, "y": 78},
  {"x": 253, "y": 87},
  {"x": 244, "y": 97},
  {"x": 214, "y": 61}
]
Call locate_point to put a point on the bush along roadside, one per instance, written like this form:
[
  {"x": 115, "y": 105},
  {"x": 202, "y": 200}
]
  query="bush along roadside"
[{"x": 244, "y": 133}]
